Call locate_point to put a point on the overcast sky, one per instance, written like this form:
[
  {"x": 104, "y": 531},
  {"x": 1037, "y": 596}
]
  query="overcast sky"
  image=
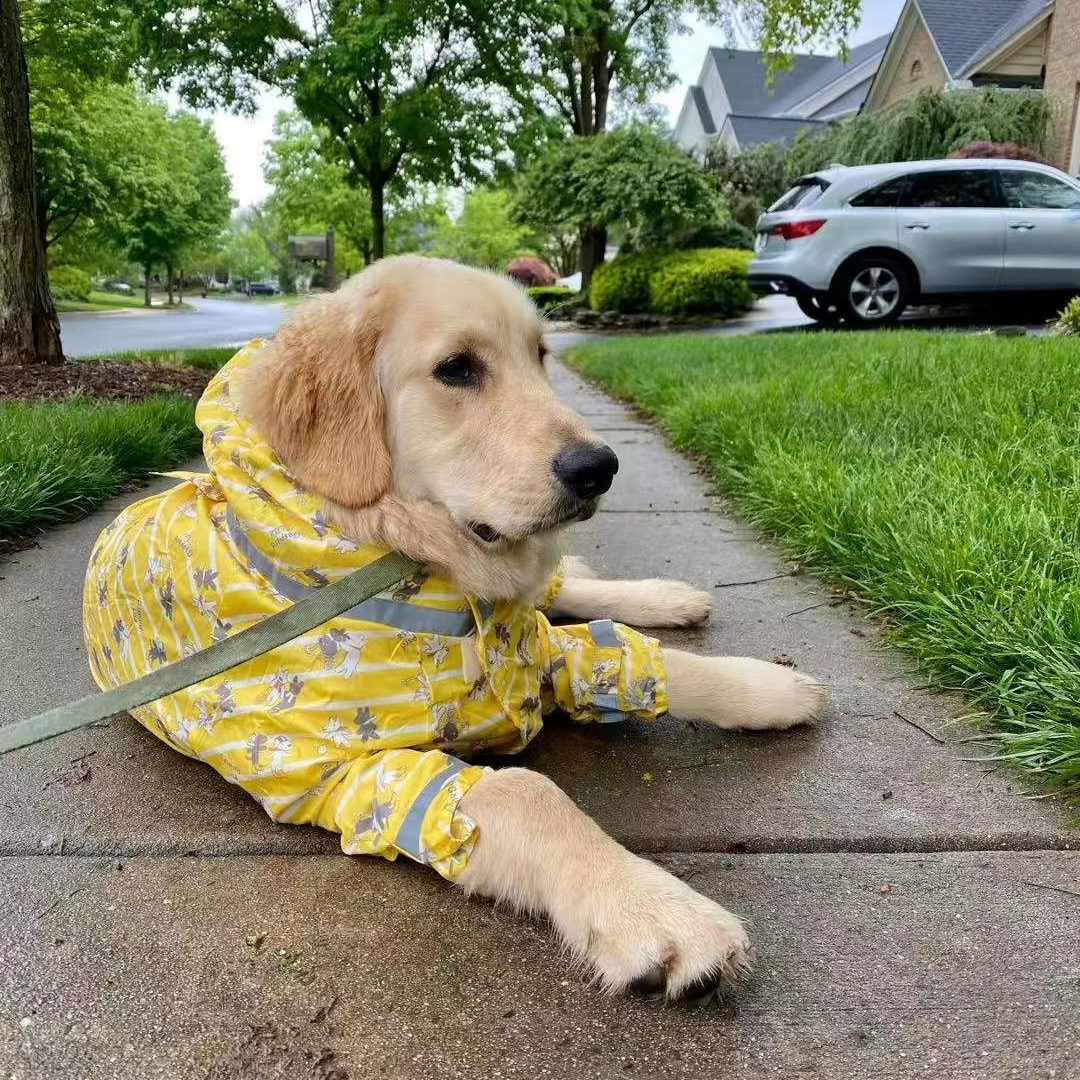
[{"x": 243, "y": 137}]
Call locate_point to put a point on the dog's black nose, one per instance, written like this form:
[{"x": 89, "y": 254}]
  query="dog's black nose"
[{"x": 586, "y": 469}]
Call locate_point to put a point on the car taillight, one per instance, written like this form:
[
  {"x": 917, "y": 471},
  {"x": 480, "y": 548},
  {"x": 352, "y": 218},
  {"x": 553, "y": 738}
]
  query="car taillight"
[{"x": 795, "y": 230}]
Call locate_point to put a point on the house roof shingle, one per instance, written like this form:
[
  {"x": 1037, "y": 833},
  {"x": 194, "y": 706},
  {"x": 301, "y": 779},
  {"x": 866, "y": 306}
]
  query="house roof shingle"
[
  {"x": 751, "y": 130},
  {"x": 965, "y": 32}
]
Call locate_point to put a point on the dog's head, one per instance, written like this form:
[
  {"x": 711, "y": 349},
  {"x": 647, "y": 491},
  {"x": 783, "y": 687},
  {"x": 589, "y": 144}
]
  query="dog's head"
[{"x": 427, "y": 379}]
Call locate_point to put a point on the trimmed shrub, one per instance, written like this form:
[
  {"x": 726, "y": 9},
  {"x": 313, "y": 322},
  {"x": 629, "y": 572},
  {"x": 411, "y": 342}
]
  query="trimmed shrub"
[
  {"x": 709, "y": 281},
  {"x": 530, "y": 270},
  {"x": 623, "y": 283},
  {"x": 1068, "y": 322},
  {"x": 703, "y": 281},
  {"x": 1009, "y": 150},
  {"x": 546, "y": 297},
  {"x": 69, "y": 282}
]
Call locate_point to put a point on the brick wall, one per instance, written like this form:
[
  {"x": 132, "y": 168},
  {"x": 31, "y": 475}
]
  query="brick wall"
[
  {"x": 1063, "y": 78},
  {"x": 919, "y": 67}
]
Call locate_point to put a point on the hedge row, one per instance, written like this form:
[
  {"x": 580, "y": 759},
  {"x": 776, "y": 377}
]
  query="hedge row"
[
  {"x": 546, "y": 297},
  {"x": 709, "y": 281}
]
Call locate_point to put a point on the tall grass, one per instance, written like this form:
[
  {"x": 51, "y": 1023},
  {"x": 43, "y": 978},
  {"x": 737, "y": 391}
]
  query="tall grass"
[
  {"x": 62, "y": 459},
  {"x": 938, "y": 475}
]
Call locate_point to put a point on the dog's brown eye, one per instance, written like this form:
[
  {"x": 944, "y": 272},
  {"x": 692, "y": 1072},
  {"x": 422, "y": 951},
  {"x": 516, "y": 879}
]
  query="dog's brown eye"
[{"x": 460, "y": 370}]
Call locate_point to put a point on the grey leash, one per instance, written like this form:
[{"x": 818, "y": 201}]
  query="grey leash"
[{"x": 322, "y": 605}]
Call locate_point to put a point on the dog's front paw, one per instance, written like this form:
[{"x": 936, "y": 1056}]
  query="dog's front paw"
[
  {"x": 660, "y": 603},
  {"x": 787, "y": 698},
  {"x": 649, "y": 932}
]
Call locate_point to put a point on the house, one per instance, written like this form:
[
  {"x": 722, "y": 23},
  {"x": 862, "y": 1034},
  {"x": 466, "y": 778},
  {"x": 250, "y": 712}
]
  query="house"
[
  {"x": 1008, "y": 43},
  {"x": 937, "y": 43},
  {"x": 731, "y": 99}
]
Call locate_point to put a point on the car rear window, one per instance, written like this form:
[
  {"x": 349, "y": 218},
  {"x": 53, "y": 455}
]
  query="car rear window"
[
  {"x": 887, "y": 194},
  {"x": 804, "y": 193}
]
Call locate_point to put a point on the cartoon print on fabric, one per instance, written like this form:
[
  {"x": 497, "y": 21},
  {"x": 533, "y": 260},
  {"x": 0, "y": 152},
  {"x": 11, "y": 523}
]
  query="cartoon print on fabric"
[{"x": 346, "y": 727}]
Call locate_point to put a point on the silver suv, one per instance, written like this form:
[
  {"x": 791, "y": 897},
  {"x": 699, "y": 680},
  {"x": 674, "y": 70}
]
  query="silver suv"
[{"x": 860, "y": 244}]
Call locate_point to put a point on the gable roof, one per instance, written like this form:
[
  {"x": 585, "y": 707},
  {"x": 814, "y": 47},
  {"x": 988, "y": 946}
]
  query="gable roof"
[
  {"x": 745, "y": 79},
  {"x": 966, "y": 32}
]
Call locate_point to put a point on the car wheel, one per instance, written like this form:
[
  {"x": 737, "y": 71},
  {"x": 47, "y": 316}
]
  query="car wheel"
[
  {"x": 872, "y": 291},
  {"x": 820, "y": 310}
]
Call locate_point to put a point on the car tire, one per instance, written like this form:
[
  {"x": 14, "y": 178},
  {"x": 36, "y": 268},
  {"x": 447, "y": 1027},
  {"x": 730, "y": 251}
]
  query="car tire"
[
  {"x": 820, "y": 309},
  {"x": 871, "y": 291}
]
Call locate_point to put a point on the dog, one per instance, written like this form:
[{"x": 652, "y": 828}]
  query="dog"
[{"x": 411, "y": 411}]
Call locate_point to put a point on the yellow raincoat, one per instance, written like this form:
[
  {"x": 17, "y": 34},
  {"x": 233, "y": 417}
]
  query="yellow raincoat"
[{"x": 352, "y": 726}]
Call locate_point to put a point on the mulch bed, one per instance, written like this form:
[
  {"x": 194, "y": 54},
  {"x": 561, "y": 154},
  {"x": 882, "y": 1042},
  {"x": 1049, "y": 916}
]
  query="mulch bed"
[{"x": 105, "y": 380}]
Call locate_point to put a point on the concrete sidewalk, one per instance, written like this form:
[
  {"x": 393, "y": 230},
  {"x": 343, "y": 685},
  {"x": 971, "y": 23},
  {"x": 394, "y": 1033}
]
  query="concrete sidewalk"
[{"x": 904, "y": 902}]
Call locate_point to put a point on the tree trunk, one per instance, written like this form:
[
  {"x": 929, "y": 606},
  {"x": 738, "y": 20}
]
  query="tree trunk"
[
  {"x": 169, "y": 280},
  {"x": 146, "y": 286},
  {"x": 593, "y": 246},
  {"x": 29, "y": 328},
  {"x": 378, "y": 218}
]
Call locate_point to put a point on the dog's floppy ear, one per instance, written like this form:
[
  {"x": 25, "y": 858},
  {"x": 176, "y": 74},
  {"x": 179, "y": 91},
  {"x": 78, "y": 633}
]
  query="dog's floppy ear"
[{"x": 316, "y": 400}]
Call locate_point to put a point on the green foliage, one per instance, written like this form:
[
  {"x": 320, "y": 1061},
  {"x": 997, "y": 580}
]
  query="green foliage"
[
  {"x": 578, "y": 52},
  {"x": 244, "y": 253},
  {"x": 179, "y": 191},
  {"x": 1068, "y": 322},
  {"x": 724, "y": 234},
  {"x": 705, "y": 281},
  {"x": 633, "y": 178},
  {"x": 60, "y": 460},
  {"x": 709, "y": 281},
  {"x": 930, "y": 124},
  {"x": 548, "y": 297},
  {"x": 311, "y": 191},
  {"x": 70, "y": 282},
  {"x": 400, "y": 93},
  {"x": 935, "y": 474},
  {"x": 759, "y": 171},
  {"x": 623, "y": 283},
  {"x": 484, "y": 234}
]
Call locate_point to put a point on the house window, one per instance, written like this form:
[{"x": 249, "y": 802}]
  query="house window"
[{"x": 916, "y": 71}]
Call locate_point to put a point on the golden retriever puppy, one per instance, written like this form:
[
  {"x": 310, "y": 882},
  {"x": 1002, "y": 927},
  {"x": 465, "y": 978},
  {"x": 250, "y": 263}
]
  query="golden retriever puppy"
[
  {"x": 411, "y": 411},
  {"x": 415, "y": 401}
]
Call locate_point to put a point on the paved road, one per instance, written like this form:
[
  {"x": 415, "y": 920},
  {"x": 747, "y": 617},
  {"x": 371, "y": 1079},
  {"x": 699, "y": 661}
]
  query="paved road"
[
  {"x": 214, "y": 322},
  {"x": 232, "y": 322},
  {"x": 912, "y": 915}
]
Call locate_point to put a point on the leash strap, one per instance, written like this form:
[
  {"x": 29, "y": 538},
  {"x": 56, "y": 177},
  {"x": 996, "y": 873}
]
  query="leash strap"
[{"x": 323, "y": 604}]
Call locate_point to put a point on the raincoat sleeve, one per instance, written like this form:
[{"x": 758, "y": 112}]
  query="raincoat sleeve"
[
  {"x": 394, "y": 802},
  {"x": 601, "y": 672}
]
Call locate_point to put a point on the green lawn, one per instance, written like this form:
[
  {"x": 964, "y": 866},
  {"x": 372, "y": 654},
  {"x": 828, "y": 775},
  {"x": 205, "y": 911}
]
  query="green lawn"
[
  {"x": 938, "y": 475},
  {"x": 60, "y": 460},
  {"x": 211, "y": 358},
  {"x": 101, "y": 301}
]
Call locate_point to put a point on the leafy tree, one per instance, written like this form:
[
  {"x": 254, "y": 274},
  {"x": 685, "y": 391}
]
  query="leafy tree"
[
  {"x": 400, "y": 88},
  {"x": 179, "y": 194},
  {"x": 484, "y": 234},
  {"x": 244, "y": 252},
  {"x": 633, "y": 178},
  {"x": 583, "y": 53},
  {"x": 311, "y": 190}
]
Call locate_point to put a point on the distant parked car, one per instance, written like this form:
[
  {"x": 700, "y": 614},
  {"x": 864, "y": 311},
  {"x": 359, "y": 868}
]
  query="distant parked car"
[
  {"x": 861, "y": 244},
  {"x": 261, "y": 288},
  {"x": 121, "y": 287}
]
